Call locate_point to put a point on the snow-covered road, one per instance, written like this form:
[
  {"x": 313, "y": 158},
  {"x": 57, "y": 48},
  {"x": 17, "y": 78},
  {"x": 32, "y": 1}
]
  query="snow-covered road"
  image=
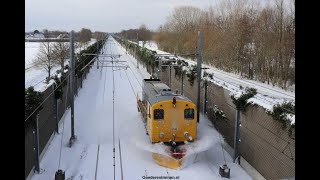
[{"x": 100, "y": 127}]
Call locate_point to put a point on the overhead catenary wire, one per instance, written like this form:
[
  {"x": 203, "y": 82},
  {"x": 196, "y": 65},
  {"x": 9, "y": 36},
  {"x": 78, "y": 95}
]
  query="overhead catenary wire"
[
  {"x": 133, "y": 65},
  {"x": 269, "y": 130},
  {"x": 105, "y": 75},
  {"x": 44, "y": 100},
  {"x": 130, "y": 84},
  {"x": 288, "y": 145},
  {"x": 113, "y": 109},
  {"x": 113, "y": 138},
  {"x": 242, "y": 125},
  {"x": 39, "y": 82},
  {"x": 104, "y": 87},
  {"x": 53, "y": 90},
  {"x": 266, "y": 142},
  {"x": 135, "y": 75},
  {"x": 268, "y": 151},
  {"x": 31, "y": 67}
]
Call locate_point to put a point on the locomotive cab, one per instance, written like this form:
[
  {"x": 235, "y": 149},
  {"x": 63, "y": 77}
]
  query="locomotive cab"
[{"x": 171, "y": 117}]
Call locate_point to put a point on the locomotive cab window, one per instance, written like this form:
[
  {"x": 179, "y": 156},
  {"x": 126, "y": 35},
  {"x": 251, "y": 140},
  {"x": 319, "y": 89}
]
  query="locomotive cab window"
[
  {"x": 189, "y": 113},
  {"x": 158, "y": 114}
]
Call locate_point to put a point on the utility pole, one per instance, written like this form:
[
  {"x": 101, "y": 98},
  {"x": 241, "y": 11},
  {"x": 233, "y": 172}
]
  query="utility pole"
[
  {"x": 98, "y": 55},
  {"x": 126, "y": 43},
  {"x": 159, "y": 60},
  {"x": 170, "y": 76},
  {"x": 72, "y": 62},
  {"x": 181, "y": 90},
  {"x": 136, "y": 52},
  {"x": 36, "y": 144},
  {"x": 199, "y": 62},
  {"x": 237, "y": 137},
  {"x": 55, "y": 107},
  {"x": 205, "y": 97},
  {"x": 159, "y": 69}
]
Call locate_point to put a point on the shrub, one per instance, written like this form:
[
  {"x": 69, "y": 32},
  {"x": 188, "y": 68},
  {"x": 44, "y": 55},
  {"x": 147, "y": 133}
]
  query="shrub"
[{"x": 242, "y": 102}]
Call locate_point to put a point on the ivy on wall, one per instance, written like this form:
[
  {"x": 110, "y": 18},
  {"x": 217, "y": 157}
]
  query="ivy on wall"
[
  {"x": 241, "y": 102},
  {"x": 283, "y": 113}
]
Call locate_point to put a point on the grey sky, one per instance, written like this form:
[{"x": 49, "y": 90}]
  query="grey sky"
[{"x": 101, "y": 15}]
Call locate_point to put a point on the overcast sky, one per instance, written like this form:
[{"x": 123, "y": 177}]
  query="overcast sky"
[{"x": 101, "y": 15}]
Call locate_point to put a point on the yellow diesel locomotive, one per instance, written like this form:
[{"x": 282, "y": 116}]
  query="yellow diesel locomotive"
[{"x": 170, "y": 117}]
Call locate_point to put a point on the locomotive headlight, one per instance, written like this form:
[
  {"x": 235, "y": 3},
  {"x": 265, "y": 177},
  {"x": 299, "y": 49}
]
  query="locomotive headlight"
[
  {"x": 161, "y": 135},
  {"x": 186, "y": 135}
]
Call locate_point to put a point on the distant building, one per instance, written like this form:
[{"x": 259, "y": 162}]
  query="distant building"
[
  {"x": 28, "y": 35},
  {"x": 38, "y": 35},
  {"x": 61, "y": 36},
  {"x": 35, "y": 34}
]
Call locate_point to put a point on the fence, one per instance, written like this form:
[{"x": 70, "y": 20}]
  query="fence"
[{"x": 47, "y": 122}]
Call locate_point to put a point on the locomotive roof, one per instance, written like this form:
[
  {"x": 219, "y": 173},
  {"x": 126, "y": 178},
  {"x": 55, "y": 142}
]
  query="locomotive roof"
[{"x": 158, "y": 91}]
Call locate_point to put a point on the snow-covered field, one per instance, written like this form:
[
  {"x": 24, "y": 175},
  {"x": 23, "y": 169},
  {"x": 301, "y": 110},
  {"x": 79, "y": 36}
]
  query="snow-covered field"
[
  {"x": 35, "y": 76},
  {"x": 31, "y": 50},
  {"x": 267, "y": 95},
  {"x": 91, "y": 157}
]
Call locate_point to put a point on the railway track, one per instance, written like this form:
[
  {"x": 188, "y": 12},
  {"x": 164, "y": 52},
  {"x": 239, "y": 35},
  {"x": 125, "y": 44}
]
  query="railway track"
[
  {"x": 260, "y": 96},
  {"x": 255, "y": 84}
]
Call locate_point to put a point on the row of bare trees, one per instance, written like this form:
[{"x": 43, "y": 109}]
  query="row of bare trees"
[
  {"x": 254, "y": 40},
  {"x": 52, "y": 54},
  {"x": 83, "y": 37},
  {"x": 98, "y": 35},
  {"x": 140, "y": 34}
]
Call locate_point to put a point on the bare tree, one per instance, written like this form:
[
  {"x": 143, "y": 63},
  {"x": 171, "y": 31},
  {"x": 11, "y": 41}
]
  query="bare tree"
[
  {"x": 185, "y": 18},
  {"x": 44, "y": 58},
  {"x": 98, "y": 35},
  {"x": 84, "y": 36},
  {"x": 144, "y": 33},
  {"x": 45, "y": 33},
  {"x": 239, "y": 36},
  {"x": 60, "y": 53},
  {"x": 77, "y": 45}
]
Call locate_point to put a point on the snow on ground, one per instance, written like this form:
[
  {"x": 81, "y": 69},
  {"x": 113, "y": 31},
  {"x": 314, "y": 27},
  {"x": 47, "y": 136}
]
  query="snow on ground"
[
  {"x": 267, "y": 95},
  {"x": 35, "y": 76},
  {"x": 91, "y": 157},
  {"x": 31, "y": 50},
  {"x": 92, "y": 41}
]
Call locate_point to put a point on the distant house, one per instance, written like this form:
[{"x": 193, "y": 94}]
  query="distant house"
[
  {"x": 35, "y": 34},
  {"x": 61, "y": 36},
  {"x": 38, "y": 35},
  {"x": 28, "y": 35}
]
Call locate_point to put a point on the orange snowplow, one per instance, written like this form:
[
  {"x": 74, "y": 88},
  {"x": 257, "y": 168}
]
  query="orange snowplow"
[{"x": 172, "y": 160}]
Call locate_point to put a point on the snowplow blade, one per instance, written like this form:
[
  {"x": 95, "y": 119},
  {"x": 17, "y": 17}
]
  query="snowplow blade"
[{"x": 167, "y": 161}]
